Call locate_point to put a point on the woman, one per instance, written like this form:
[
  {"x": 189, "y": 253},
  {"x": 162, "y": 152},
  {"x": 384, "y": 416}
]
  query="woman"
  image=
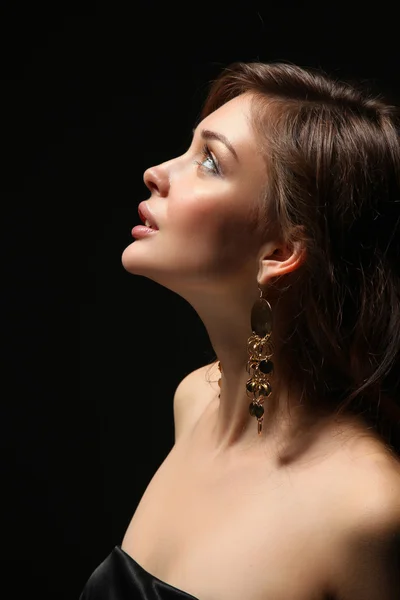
[{"x": 280, "y": 225}]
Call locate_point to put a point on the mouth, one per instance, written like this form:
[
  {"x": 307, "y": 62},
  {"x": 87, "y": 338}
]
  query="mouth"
[
  {"x": 146, "y": 217},
  {"x": 148, "y": 224}
]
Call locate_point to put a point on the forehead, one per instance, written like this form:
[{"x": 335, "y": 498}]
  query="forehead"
[{"x": 233, "y": 119}]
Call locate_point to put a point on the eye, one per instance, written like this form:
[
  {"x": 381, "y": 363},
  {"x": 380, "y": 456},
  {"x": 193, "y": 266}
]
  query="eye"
[{"x": 209, "y": 161}]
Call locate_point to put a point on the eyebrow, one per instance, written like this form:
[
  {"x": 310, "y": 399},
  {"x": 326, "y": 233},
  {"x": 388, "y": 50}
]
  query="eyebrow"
[{"x": 206, "y": 134}]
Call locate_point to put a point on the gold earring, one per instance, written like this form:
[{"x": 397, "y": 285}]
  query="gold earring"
[{"x": 259, "y": 366}]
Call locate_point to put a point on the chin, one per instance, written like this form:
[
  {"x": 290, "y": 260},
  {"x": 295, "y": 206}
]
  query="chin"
[
  {"x": 136, "y": 263},
  {"x": 130, "y": 262}
]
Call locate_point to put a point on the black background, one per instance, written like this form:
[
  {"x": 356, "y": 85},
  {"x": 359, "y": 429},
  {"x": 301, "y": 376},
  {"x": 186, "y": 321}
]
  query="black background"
[{"x": 91, "y": 354}]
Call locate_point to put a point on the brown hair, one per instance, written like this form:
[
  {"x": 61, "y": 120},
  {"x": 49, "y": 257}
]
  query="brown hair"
[{"x": 332, "y": 154}]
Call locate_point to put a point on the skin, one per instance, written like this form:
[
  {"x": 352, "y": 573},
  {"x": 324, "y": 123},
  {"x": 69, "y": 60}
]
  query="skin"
[
  {"x": 284, "y": 532},
  {"x": 208, "y": 251}
]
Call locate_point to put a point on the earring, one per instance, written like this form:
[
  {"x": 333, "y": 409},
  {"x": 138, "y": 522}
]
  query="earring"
[{"x": 259, "y": 365}]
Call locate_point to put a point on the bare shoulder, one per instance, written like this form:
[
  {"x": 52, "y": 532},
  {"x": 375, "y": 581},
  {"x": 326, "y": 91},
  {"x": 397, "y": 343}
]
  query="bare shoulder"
[
  {"x": 378, "y": 493},
  {"x": 365, "y": 562},
  {"x": 373, "y": 483},
  {"x": 192, "y": 396}
]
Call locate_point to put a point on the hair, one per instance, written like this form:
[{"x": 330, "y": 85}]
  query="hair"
[{"x": 332, "y": 156}]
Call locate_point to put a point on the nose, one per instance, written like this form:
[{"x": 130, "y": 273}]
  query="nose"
[{"x": 157, "y": 180}]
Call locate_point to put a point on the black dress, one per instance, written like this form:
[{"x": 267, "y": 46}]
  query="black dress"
[{"x": 120, "y": 577}]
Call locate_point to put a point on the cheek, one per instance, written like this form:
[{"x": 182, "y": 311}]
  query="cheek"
[
  {"x": 236, "y": 239},
  {"x": 217, "y": 225},
  {"x": 194, "y": 211}
]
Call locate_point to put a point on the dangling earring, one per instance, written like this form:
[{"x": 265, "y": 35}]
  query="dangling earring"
[{"x": 259, "y": 366}]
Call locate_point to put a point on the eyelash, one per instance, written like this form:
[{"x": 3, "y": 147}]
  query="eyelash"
[{"x": 207, "y": 155}]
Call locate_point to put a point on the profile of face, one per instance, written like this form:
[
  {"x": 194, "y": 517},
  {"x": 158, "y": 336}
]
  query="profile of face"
[{"x": 202, "y": 203}]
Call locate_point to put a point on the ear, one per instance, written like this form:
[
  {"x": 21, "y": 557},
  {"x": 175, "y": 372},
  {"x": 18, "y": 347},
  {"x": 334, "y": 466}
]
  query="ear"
[{"x": 278, "y": 259}]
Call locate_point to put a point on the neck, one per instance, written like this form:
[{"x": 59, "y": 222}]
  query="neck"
[
  {"x": 235, "y": 424},
  {"x": 232, "y": 427}
]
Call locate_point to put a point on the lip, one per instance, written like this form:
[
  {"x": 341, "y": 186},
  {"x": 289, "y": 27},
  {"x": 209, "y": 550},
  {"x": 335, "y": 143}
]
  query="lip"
[
  {"x": 144, "y": 213},
  {"x": 141, "y": 231}
]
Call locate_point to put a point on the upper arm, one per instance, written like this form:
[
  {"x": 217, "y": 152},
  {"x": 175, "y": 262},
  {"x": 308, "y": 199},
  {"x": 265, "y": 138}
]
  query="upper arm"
[
  {"x": 369, "y": 558},
  {"x": 190, "y": 399}
]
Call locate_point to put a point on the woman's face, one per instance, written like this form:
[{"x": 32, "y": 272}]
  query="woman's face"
[{"x": 203, "y": 203}]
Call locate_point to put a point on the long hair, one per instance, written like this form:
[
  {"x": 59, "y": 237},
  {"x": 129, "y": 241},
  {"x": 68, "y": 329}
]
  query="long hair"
[{"x": 332, "y": 156}]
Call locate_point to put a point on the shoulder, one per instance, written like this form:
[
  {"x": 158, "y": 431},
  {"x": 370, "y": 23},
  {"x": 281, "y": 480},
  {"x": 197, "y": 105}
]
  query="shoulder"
[
  {"x": 374, "y": 489},
  {"x": 366, "y": 561},
  {"x": 192, "y": 396}
]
